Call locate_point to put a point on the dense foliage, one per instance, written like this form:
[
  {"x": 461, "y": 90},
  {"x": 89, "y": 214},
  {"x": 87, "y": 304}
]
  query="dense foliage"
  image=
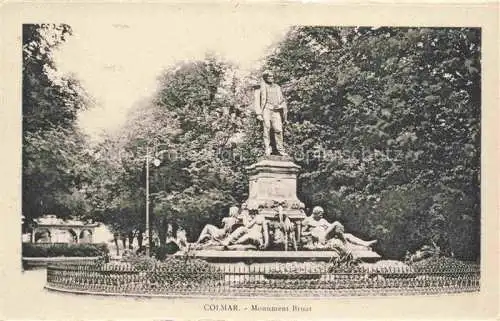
[
  {"x": 172, "y": 270},
  {"x": 390, "y": 121},
  {"x": 195, "y": 113},
  {"x": 161, "y": 252},
  {"x": 54, "y": 156}
]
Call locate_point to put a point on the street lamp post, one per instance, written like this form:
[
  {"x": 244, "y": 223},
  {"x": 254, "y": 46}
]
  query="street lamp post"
[{"x": 156, "y": 162}]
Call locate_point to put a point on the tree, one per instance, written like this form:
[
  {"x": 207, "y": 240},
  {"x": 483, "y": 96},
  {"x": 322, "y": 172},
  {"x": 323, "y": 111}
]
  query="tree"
[
  {"x": 195, "y": 184},
  {"x": 50, "y": 100},
  {"x": 54, "y": 151},
  {"x": 195, "y": 114}
]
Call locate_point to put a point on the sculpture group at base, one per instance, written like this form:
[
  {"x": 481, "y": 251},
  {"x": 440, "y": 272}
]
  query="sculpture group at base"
[
  {"x": 318, "y": 233},
  {"x": 240, "y": 230},
  {"x": 213, "y": 234},
  {"x": 249, "y": 230}
]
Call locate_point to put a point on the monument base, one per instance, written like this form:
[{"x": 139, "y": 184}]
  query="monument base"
[
  {"x": 251, "y": 256},
  {"x": 273, "y": 182}
]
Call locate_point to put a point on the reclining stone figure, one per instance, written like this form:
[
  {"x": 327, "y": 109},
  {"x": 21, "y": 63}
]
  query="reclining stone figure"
[
  {"x": 318, "y": 233},
  {"x": 254, "y": 233},
  {"x": 213, "y": 235}
]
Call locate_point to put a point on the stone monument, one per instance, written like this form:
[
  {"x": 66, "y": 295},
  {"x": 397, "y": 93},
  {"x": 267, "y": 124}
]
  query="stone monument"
[{"x": 270, "y": 220}]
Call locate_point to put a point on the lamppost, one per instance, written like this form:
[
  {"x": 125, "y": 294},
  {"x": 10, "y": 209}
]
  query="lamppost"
[{"x": 156, "y": 163}]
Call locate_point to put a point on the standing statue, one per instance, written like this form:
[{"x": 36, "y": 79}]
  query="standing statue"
[
  {"x": 318, "y": 233},
  {"x": 271, "y": 110}
]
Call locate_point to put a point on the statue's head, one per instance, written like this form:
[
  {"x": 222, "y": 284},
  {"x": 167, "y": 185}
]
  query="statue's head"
[
  {"x": 234, "y": 211},
  {"x": 317, "y": 212},
  {"x": 268, "y": 76}
]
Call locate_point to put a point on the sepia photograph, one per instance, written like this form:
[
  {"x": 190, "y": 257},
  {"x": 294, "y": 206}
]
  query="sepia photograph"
[{"x": 163, "y": 161}]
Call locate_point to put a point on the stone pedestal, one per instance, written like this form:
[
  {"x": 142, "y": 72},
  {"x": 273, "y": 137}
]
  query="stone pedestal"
[{"x": 273, "y": 181}]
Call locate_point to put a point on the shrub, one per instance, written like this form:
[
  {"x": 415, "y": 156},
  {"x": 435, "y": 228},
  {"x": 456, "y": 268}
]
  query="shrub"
[
  {"x": 63, "y": 249},
  {"x": 345, "y": 262},
  {"x": 162, "y": 252},
  {"x": 143, "y": 263},
  {"x": 181, "y": 270},
  {"x": 138, "y": 261},
  {"x": 444, "y": 264},
  {"x": 173, "y": 270},
  {"x": 31, "y": 250}
]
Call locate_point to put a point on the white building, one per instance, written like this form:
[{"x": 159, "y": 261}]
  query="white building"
[{"x": 50, "y": 229}]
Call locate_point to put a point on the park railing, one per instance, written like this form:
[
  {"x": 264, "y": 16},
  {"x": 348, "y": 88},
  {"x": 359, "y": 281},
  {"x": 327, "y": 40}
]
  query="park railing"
[{"x": 232, "y": 280}]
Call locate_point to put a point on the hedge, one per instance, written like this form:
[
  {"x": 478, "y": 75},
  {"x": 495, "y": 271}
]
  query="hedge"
[{"x": 64, "y": 249}]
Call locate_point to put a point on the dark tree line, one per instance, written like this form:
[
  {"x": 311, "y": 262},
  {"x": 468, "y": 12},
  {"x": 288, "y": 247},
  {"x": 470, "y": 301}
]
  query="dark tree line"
[{"x": 400, "y": 110}]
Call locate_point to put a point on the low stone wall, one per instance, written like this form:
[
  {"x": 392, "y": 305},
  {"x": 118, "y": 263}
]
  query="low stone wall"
[{"x": 42, "y": 262}]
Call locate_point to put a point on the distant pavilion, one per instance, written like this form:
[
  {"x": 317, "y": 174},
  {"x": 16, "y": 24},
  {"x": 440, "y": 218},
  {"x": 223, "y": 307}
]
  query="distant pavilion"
[{"x": 51, "y": 229}]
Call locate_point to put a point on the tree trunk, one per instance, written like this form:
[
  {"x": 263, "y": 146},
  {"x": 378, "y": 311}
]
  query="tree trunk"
[
  {"x": 162, "y": 231},
  {"x": 139, "y": 239},
  {"x": 115, "y": 239},
  {"x": 130, "y": 240},
  {"x": 175, "y": 228},
  {"x": 124, "y": 241}
]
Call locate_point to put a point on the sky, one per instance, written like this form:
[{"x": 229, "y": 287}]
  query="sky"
[{"x": 118, "y": 63}]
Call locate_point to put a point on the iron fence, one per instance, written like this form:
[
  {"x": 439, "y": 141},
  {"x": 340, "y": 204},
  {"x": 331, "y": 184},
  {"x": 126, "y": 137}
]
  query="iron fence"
[{"x": 255, "y": 280}]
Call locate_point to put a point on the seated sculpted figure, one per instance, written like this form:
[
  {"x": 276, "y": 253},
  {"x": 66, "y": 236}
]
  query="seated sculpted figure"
[
  {"x": 217, "y": 235},
  {"x": 253, "y": 234},
  {"x": 318, "y": 233},
  {"x": 284, "y": 230}
]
